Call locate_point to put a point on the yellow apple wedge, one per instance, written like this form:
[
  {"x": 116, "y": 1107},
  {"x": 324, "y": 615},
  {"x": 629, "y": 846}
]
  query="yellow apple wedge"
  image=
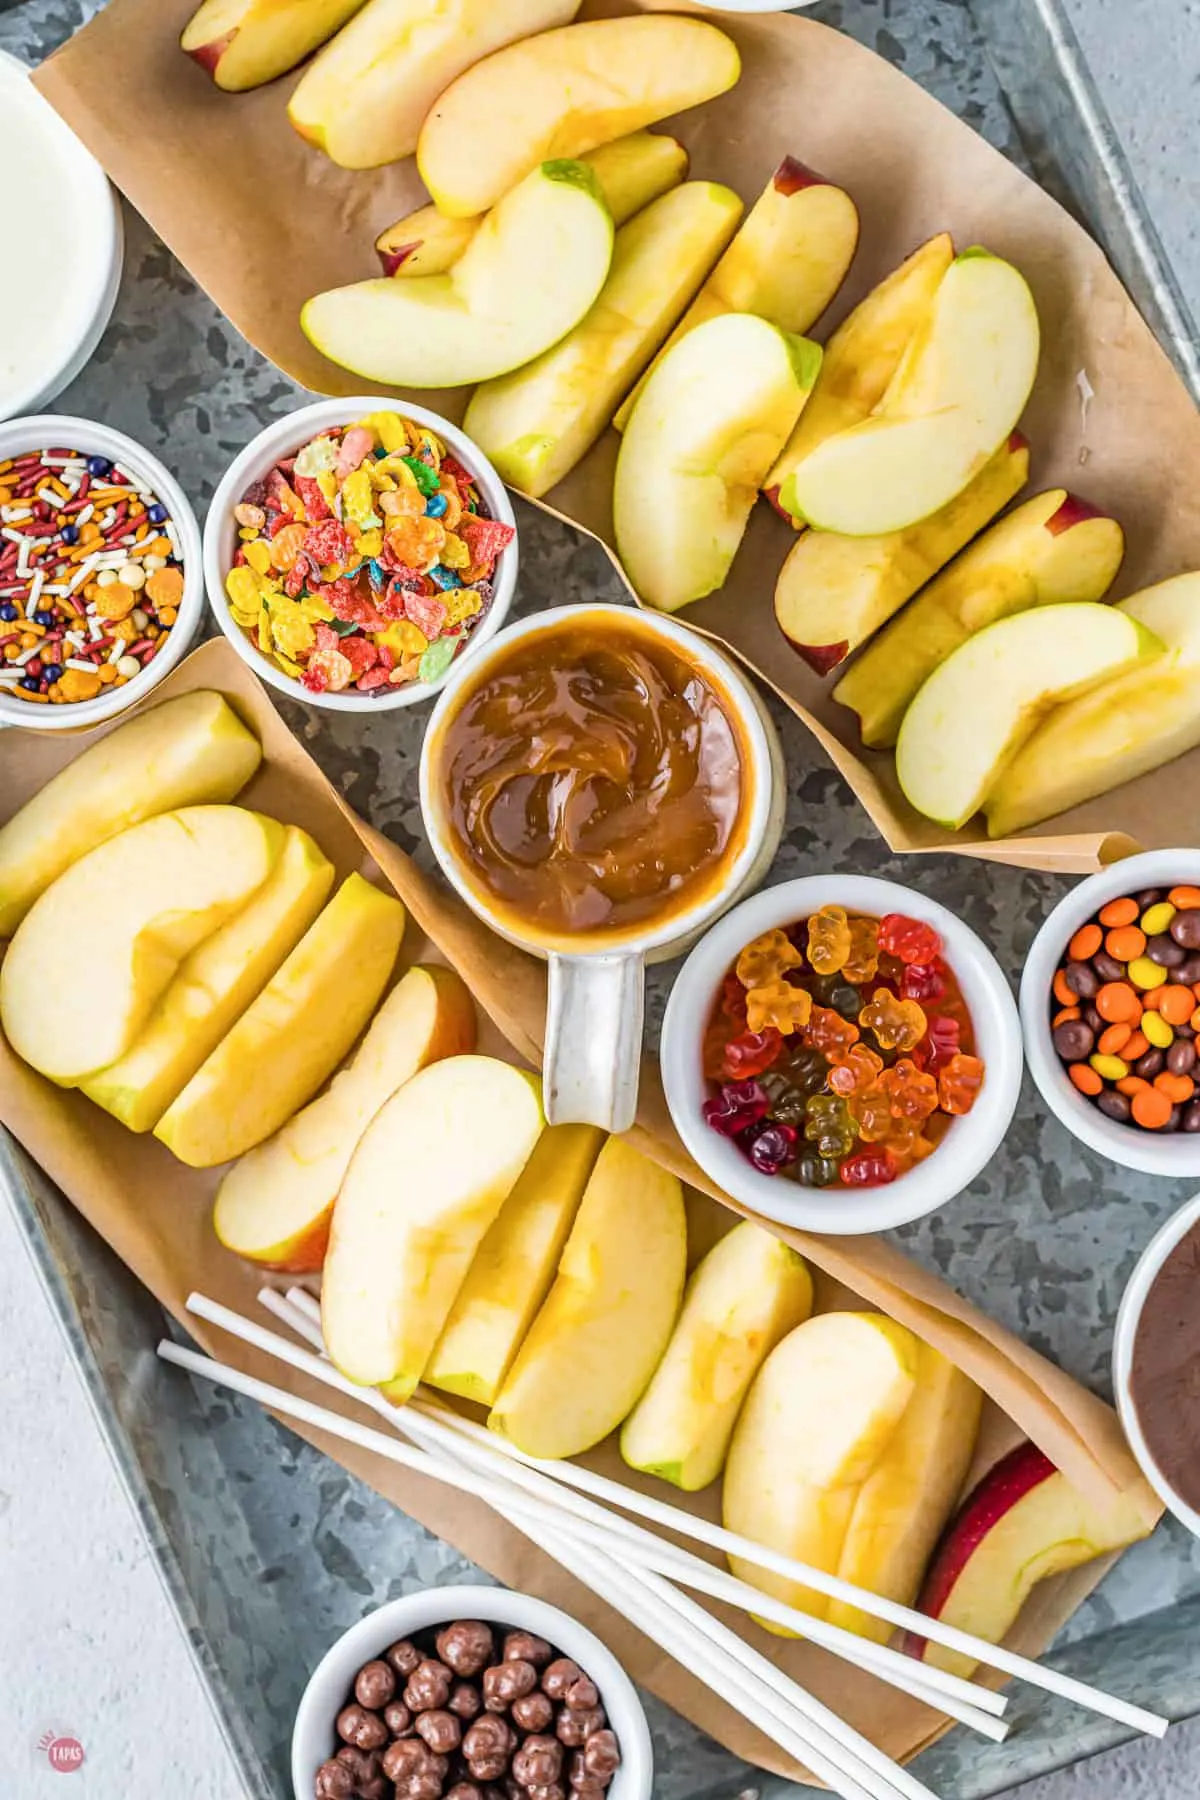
[
  {"x": 514, "y": 1266},
  {"x": 710, "y": 421},
  {"x": 861, "y": 358},
  {"x": 434, "y": 1168},
  {"x": 561, "y": 94},
  {"x": 365, "y": 97},
  {"x": 1055, "y": 548},
  {"x": 293, "y": 1036},
  {"x": 213, "y": 988},
  {"x": 275, "y": 1204},
  {"x": 484, "y": 316},
  {"x": 1022, "y": 1523},
  {"x": 606, "y": 1321},
  {"x": 834, "y": 591},
  {"x": 786, "y": 263},
  {"x": 632, "y": 172},
  {"x": 818, "y": 1418},
  {"x": 960, "y": 388},
  {"x": 246, "y": 43},
  {"x": 748, "y": 1293},
  {"x": 538, "y": 422},
  {"x": 980, "y": 706},
  {"x": 188, "y": 752},
  {"x": 150, "y": 896},
  {"x": 1121, "y": 730},
  {"x": 907, "y": 1498}
]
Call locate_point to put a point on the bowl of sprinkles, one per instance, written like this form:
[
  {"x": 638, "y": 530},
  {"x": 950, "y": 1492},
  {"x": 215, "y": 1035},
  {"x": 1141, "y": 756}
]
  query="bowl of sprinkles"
[
  {"x": 100, "y": 573},
  {"x": 356, "y": 549},
  {"x": 1110, "y": 1005},
  {"x": 841, "y": 1054}
]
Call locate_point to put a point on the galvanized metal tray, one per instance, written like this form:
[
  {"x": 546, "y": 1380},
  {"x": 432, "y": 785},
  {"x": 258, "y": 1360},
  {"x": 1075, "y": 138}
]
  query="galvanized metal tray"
[{"x": 267, "y": 1548}]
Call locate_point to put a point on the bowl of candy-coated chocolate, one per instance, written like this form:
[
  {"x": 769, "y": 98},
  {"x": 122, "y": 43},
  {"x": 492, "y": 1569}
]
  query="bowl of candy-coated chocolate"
[
  {"x": 1110, "y": 1008},
  {"x": 841, "y": 1054}
]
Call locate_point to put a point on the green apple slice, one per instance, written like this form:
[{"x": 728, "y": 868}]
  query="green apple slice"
[
  {"x": 1124, "y": 729},
  {"x": 960, "y": 388},
  {"x": 538, "y": 422},
  {"x": 531, "y": 272},
  {"x": 714, "y": 415},
  {"x": 974, "y": 713}
]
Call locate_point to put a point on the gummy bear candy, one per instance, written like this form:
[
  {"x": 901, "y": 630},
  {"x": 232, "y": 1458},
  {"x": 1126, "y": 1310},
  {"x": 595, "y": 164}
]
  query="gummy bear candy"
[
  {"x": 752, "y": 1053},
  {"x": 959, "y": 1083},
  {"x": 816, "y": 1171},
  {"x": 780, "y": 1004},
  {"x": 908, "y": 1152},
  {"x": 787, "y": 1102},
  {"x": 805, "y": 1069},
  {"x": 940, "y": 1043},
  {"x": 863, "y": 959},
  {"x": 772, "y": 1148},
  {"x": 739, "y": 1105},
  {"x": 923, "y": 981},
  {"x": 895, "y": 1024},
  {"x": 829, "y": 1033},
  {"x": 913, "y": 1094},
  {"x": 870, "y": 1168},
  {"x": 733, "y": 999},
  {"x": 766, "y": 959},
  {"x": 910, "y": 939},
  {"x": 857, "y": 1071},
  {"x": 828, "y": 940},
  {"x": 830, "y": 1125},
  {"x": 846, "y": 1000},
  {"x": 873, "y": 1110}
]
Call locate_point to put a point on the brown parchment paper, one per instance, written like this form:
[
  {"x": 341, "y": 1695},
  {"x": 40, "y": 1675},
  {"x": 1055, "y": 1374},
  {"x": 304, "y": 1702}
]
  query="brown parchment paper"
[
  {"x": 155, "y": 1213},
  {"x": 263, "y": 221}
]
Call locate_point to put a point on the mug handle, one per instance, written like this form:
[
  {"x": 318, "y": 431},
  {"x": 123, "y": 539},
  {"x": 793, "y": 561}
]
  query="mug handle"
[{"x": 594, "y": 1023}]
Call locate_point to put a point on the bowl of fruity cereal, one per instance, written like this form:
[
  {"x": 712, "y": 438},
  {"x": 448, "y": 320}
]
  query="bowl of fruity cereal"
[
  {"x": 841, "y": 1054},
  {"x": 356, "y": 549}
]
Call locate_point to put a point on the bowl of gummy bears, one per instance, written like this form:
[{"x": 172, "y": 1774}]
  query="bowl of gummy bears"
[{"x": 841, "y": 1054}]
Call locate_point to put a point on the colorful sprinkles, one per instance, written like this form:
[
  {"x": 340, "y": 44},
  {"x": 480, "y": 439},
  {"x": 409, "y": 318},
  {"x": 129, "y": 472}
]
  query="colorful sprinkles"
[
  {"x": 366, "y": 560},
  {"x": 91, "y": 576}
]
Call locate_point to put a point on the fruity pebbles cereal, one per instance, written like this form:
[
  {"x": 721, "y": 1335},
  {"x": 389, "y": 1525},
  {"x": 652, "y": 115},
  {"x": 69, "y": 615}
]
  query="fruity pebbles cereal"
[{"x": 366, "y": 560}]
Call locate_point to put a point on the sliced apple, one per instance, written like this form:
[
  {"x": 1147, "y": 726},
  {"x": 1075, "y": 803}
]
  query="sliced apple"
[
  {"x": 485, "y": 316},
  {"x": 861, "y": 358},
  {"x": 186, "y": 752},
  {"x": 424, "y": 242},
  {"x": 538, "y": 422},
  {"x": 149, "y": 897},
  {"x": 786, "y": 263},
  {"x": 367, "y": 94},
  {"x": 1122, "y": 729},
  {"x": 294, "y": 1035},
  {"x": 960, "y": 388},
  {"x": 213, "y": 988},
  {"x": 818, "y": 1418},
  {"x": 978, "y": 708},
  {"x": 432, "y": 1171},
  {"x": 514, "y": 1266},
  {"x": 606, "y": 1321},
  {"x": 561, "y": 94},
  {"x": 275, "y": 1204},
  {"x": 700, "y": 440},
  {"x": 907, "y": 1498},
  {"x": 246, "y": 43},
  {"x": 834, "y": 591},
  {"x": 748, "y": 1293},
  {"x": 1055, "y": 548},
  {"x": 1022, "y": 1523}
]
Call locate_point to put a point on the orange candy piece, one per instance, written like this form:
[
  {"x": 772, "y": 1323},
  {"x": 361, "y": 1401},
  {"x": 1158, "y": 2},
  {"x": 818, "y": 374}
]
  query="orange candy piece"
[
  {"x": 1178, "y": 1088},
  {"x": 116, "y": 601},
  {"x": 766, "y": 959},
  {"x": 1132, "y": 1084},
  {"x": 1185, "y": 898},
  {"x": 1135, "y": 1046},
  {"x": 1125, "y": 943},
  {"x": 1118, "y": 912},
  {"x": 1085, "y": 943},
  {"x": 1062, "y": 1017},
  {"x": 1065, "y": 995},
  {"x": 1118, "y": 1004},
  {"x": 165, "y": 586},
  {"x": 1176, "y": 1003},
  {"x": 1086, "y": 1079},
  {"x": 1113, "y": 1041},
  {"x": 780, "y": 1004},
  {"x": 1151, "y": 1108}
]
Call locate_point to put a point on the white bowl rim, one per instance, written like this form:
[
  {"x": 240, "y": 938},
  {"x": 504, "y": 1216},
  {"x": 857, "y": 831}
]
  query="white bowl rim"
[
  {"x": 287, "y": 434},
  {"x": 1177, "y": 1155},
  {"x": 499, "y": 1606},
  {"x": 38, "y": 431},
  {"x": 967, "y": 1147},
  {"x": 1129, "y": 1316}
]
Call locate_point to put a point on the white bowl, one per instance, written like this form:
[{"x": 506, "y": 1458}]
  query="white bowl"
[
  {"x": 1128, "y": 1319},
  {"x": 314, "y": 1739},
  {"x": 1177, "y": 1155},
  {"x": 79, "y": 213},
  {"x": 968, "y": 1145},
  {"x": 17, "y": 437},
  {"x": 283, "y": 439}
]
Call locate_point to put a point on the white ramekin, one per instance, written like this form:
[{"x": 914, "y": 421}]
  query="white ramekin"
[
  {"x": 47, "y": 430},
  {"x": 968, "y": 1145},
  {"x": 283, "y": 439},
  {"x": 1177, "y": 1155},
  {"x": 1128, "y": 1319},
  {"x": 314, "y": 1739}
]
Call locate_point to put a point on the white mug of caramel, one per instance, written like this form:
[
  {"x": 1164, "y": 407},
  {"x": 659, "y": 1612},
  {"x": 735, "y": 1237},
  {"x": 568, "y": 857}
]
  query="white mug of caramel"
[{"x": 599, "y": 784}]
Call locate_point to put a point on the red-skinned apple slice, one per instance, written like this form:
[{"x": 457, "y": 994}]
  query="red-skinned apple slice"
[{"x": 246, "y": 43}]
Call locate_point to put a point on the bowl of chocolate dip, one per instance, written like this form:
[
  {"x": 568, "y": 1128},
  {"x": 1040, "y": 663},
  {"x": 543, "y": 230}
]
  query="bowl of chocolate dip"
[{"x": 1156, "y": 1364}]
